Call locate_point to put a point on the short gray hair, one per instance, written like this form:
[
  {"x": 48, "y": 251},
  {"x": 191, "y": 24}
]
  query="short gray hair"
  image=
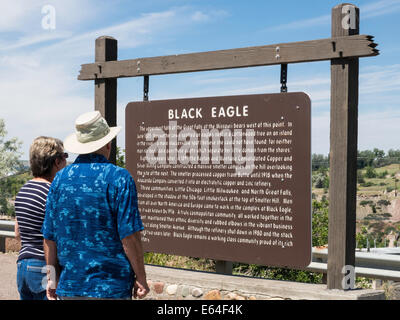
[{"x": 42, "y": 154}]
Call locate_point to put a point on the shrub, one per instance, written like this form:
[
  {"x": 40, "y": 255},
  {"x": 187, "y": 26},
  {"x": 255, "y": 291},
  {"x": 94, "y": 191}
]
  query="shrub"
[
  {"x": 370, "y": 173},
  {"x": 320, "y": 180},
  {"x": 367, "y": 184},
  {"x": 365, "y": 202},
  {"x": 383, "y": 174},
  {"x": 360, "y": 177},
  {"x": 383, "y": 202}
]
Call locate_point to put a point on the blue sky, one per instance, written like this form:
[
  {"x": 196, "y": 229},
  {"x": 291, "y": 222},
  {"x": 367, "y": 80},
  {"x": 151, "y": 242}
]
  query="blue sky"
[{"x": 40, "y": 93}]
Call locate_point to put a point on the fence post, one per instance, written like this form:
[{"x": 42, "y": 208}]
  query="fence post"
[
  {"x": 224, "y": 267},
  {"x": 343, "y": 150},
  {"x": 106, "y": 89},
  {"x": 2, "y": 244}
]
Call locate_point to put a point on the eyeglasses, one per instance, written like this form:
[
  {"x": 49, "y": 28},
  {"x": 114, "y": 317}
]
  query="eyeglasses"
[{"x": 64, "y": 155}]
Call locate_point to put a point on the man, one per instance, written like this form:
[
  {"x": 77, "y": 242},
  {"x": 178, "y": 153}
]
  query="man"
[{"x": 92, "y": 224}]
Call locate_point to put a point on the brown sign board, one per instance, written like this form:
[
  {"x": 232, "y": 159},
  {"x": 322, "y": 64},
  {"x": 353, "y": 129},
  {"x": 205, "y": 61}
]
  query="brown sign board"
[{"x": 226, "y": 178}]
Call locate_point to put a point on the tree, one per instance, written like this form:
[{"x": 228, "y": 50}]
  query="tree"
[
  {"x": 9, "y": 164},
  {"x": 120, "y": 157},
  {"x": 9, "y": 153},
  {"x": 319, "y": 161},
  {"x": 320, "y": 217},
  {"x": 320, "y": 180},
  {"x": 365, "y": 159}
]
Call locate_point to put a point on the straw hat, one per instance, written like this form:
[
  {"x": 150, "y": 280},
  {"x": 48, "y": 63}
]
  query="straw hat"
[{"x": 91, "y": 134}]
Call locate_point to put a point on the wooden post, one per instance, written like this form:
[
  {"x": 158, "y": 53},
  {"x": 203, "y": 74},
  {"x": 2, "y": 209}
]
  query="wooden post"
[
  {"x": 343, "y": 150},
  {"x": 106, "y": 89},
  {"x": 224, "y": 267},
  {"x": 2, "y": 244}
]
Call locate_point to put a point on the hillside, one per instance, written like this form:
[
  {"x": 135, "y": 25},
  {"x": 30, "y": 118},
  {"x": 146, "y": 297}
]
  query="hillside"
[{"x": 378, "y": 203}]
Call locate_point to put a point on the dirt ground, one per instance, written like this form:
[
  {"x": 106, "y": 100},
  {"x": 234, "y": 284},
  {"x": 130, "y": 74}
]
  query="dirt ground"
[{"x": 8, "y": 276}]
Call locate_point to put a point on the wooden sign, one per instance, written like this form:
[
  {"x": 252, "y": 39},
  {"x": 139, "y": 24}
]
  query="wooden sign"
[{"x": 226, "y": 178}]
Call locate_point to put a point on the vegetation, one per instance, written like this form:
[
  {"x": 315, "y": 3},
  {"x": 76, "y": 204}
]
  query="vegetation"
[
  {"x": 10, "y": 169},
  {"x": 376, "y": 173},
  {"x": 9, "y": 153},
  {"x": 369, "y": 175},
  {"x": 120, "y": 157},
  {"x": 9, "y": 187},
  {"x": 375, "y": 158}
]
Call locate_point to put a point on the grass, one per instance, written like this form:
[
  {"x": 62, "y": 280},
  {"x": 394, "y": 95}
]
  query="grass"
[{"x": 381, "y": 184}]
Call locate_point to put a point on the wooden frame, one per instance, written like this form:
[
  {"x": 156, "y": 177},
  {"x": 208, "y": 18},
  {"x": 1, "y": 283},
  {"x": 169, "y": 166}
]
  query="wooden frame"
[{"x": 343, "y": 50}]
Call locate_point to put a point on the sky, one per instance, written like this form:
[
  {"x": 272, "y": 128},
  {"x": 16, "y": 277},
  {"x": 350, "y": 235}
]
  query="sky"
[{"x": 40, "y": 59}]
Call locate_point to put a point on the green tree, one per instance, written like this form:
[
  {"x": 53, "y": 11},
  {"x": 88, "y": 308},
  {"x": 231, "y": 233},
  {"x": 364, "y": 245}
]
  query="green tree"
[
  {"x": 394, "y": 156},
  {"x": 120, "y": 157},
  {"x": 365, "y": 158},
  {"x": 9, "y": 164},
  {"x": 320, "y": 216},
  {"x": 361, "y": 240},
  {"x": 320, "y": 180},
  {"x": 9, "y": 152},
  {"x": 319, "y": 161}
]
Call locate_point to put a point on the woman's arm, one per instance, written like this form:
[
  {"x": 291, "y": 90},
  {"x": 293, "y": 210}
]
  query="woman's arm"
[{"x": 16, "y": 231}]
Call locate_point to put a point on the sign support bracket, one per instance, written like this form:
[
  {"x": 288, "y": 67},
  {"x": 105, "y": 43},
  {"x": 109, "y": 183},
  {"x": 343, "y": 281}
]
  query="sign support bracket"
[
  {"x": 284, "y": 77},
  {"x": 146, "y": 88}
]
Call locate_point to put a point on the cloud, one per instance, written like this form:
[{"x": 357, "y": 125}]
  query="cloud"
[
  {"x": 200, "y": 16},
  {"x": 140, "y": 31},
  {"x": 384, "y": 135},
  {"x": 15, "y": 17},
  {"x": 380, "y": 8},
  {"x": 39, "y": 90},
  {"x": 367, "y": 11},
  {"x": 386, "y": 129},
  {"x": 33, "y": 40},
  {"x": 38, "y": 99},
  {"x": 380, "y": 79},
  {"x": 300, "y": 24}
]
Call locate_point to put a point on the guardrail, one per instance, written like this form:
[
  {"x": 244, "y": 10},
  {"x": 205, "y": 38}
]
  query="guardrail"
[
  {"x": 368, "y": 264},
  {"x": 6, "y": 231}
]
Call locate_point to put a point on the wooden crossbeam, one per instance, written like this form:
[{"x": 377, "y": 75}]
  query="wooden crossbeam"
[{"x": 295, "y": 52}]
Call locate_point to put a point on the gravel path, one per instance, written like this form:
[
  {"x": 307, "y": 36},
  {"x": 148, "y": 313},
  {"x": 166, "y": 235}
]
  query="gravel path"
[{"x": 8, "y": 276}]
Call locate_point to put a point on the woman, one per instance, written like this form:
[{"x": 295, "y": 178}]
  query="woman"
[{"x": 47, "y": 157}]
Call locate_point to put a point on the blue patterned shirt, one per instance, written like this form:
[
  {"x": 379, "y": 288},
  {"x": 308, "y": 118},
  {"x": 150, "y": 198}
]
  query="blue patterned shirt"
[{"x": 91, "y": 206}]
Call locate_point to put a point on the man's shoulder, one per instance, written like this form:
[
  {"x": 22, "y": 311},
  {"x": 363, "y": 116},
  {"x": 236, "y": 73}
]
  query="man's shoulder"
[
  {"x": 118, "y": 175},
  {"x": 117, "y": 170}
]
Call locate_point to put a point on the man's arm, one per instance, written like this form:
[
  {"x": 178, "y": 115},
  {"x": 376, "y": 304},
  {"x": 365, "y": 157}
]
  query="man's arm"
[
  {"x": 133, "y": 248},
  {"x": 53, "y": 268}
]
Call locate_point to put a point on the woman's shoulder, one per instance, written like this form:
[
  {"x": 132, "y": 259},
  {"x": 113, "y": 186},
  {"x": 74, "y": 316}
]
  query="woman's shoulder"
[
  {"x": 33, "y": 186},
  {"x": 37, "y": 184}
]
